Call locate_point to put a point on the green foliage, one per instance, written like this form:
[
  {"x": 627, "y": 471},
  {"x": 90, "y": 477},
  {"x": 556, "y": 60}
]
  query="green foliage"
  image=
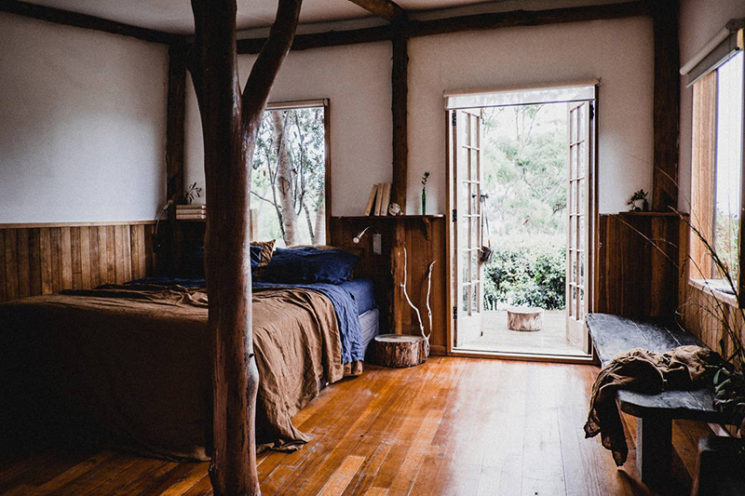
[
  {"x": 525, "y": 173},
  {"x": 727, "y": 241},
  {"x": 526, "y": 276}
]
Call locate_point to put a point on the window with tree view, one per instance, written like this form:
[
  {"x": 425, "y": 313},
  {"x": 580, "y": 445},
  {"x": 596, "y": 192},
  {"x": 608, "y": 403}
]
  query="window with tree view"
[
  {"x": 729, "y": 162},
  {"x": 716, "y": 186},
  {"x": 288, "y": 177}
]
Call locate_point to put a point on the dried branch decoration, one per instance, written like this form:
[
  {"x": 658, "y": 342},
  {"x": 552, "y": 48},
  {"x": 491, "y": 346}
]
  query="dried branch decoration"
[{"x": 411, "y": 304}]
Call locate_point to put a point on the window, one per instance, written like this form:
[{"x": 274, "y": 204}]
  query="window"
[
  {"x": 716, "y": 186},
  {"x": 289, "y": 175}
]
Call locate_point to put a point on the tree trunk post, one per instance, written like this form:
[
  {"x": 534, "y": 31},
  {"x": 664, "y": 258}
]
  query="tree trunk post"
[{"x": 230, "y": 122}]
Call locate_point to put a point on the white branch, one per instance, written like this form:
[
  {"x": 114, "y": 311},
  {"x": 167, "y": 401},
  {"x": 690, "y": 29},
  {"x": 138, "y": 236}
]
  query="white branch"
[
  {"x": 408, "y": 300},
  {"x": 429, "y": 289}
]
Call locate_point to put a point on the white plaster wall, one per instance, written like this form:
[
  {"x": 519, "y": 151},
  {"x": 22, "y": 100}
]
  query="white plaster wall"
[
  {"x": 356, "y": 79},
  {"x": 699, "y": 22},
  {"x": 82, "y": 124},
  {"x": 620, "y": 52}
]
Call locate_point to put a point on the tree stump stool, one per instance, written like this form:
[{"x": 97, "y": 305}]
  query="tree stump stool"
[
  {"x": 525, "y": 319},
  {"x": 400, "y": 350}
]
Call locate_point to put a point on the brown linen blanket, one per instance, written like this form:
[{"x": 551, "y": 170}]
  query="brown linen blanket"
[
  {"x": 644, "y": 371},
  {"x": 133, "y": 365}
]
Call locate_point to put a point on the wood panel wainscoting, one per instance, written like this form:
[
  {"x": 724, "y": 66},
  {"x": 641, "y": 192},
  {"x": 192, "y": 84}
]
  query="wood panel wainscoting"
[
  {"x": 703, "y": 312},
  {"x": 37, "y": 259},
  {"x": 638, "y": 259},
  {"x": 424, "y": 239}
]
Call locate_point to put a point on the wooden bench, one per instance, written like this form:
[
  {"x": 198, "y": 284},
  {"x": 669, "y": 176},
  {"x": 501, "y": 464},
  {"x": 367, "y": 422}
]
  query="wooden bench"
[{"x": 612, "y": 335}]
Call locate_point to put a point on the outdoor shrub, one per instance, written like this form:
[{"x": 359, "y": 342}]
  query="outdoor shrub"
[{"x": 526, "y": 276}]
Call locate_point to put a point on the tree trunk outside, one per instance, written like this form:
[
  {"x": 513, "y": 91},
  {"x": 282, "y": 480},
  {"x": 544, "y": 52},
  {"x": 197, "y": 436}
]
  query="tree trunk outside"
[
  {"x": 320, "y": 229},
  {"x": 284, "y": 180}
]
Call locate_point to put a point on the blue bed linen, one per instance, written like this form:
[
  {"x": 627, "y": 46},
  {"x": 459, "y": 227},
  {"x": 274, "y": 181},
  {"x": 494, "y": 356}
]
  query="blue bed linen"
[
  {"x": 363, "y": 292},
  {"x": 345, "y": 307}
]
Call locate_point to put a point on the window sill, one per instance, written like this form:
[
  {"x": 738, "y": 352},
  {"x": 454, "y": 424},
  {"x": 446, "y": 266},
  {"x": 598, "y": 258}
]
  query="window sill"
[{"x": 705, "y": 286}]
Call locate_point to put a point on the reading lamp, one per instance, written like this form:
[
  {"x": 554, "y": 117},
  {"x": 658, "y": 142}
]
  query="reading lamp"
[
  {"x": 377, "y": 249},
  {"x": 357, "y": 238}
]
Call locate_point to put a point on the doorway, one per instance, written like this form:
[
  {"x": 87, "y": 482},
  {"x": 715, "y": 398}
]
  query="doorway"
[{"x": 522, "y": 181}]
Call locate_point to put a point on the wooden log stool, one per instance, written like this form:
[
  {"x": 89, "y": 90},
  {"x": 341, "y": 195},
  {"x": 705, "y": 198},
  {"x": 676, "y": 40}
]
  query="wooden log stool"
[
  {"x": 400, "y": 350},
  {"x": 524, "y": 319}
]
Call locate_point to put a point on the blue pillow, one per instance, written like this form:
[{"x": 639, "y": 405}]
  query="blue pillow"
[{"x": 309, "y": 265}]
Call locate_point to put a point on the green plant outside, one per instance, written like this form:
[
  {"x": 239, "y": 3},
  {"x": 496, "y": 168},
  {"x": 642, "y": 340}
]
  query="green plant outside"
[{"x": 526, "y": 276}]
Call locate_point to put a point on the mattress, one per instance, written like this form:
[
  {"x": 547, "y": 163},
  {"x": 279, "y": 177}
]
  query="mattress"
[
  {"x": 363, "y": 293},
  {"x": 369, "y": 326}
]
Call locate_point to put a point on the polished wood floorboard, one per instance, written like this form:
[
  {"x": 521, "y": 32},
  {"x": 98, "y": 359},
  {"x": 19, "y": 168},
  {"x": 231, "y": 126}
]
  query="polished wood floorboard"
[{"x": 452, "y": 426}]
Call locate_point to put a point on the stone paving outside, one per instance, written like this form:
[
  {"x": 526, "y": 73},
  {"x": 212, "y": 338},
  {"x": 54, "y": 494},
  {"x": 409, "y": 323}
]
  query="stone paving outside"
[{"x": 550, "y": 340}]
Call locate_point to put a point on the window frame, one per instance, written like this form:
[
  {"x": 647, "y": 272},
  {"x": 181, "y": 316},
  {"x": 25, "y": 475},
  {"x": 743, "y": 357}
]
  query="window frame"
[
  {"x": 704, "y": 131},
  {"x": 312, "y": 103}
]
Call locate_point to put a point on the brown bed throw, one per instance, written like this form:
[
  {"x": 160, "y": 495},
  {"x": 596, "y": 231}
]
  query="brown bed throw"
[
  {"x": 133, "y": 365},
  {"x": 644, "y": 371}
]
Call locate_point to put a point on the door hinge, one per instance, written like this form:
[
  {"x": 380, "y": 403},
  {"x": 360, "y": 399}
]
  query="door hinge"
[
  {"x": 455, "y": 313},
  {"x": 453, "y": 118},
  {"x": 455, "y": 214},
  {"x": 592, "y": 111}
]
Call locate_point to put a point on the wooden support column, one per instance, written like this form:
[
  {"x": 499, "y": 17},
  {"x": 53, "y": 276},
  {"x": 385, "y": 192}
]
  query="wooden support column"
[
  {"x": 399, "y": 100},
  {"x": 230, "y": 124},
  {"x": 167, "y": 241},
  {"x": 666, "y": 113},
  {"x": 175, "y": 121}
]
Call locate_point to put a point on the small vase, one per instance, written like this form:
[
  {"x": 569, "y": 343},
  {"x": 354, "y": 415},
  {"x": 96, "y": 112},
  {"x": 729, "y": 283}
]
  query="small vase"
[{"x": 424, "y": 201}]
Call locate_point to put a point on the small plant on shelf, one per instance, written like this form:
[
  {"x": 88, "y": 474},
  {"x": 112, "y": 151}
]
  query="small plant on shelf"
[
  {"x": 639, "y": 201},
  {"x": 425, "y": 177}
]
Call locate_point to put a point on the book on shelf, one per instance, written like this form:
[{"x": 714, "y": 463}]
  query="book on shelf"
[
  {"x": 191, "y": 217},
  {"x": 386, "y": 199},
  {"x": 191, "y": 208},
  {"x": 371, "y": 199},
  {"x": 378, "y": 199}
]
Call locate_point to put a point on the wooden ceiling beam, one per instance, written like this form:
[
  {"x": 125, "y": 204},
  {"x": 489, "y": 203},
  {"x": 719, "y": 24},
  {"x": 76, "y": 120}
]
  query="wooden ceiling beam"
[
  {"x": 67, "y": 18},
  {"x": 327, "y": 39},
  {"x": 517, "y": 18},
  {"x": 386, "y": 9},
  {"x": 411, "y": 28}
]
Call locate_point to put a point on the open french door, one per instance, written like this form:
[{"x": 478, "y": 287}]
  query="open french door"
[
  {"x": 467, "y": 223},
  {"x": 580, "y": 209}
]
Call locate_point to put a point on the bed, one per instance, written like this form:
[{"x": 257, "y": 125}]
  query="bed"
[{"x": 131, "y": 363}]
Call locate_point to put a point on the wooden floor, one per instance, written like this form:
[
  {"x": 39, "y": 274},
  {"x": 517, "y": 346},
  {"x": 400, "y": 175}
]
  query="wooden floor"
[{"x": 453, "y": 426}]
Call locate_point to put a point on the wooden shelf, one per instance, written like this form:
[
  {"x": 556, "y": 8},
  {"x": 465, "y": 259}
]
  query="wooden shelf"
[
  {"x": 651, "y": 214},
  {"x": 388, "y": 217}
]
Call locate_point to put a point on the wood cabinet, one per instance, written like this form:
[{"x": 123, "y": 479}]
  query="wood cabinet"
[{"x": 423, "y": 236}]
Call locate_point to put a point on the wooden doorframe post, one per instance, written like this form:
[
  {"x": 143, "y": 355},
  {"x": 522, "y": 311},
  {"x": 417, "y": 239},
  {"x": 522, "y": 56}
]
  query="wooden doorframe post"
[
  {"x": 230, "y": 124},
  {"x": 399, "y": 102},
  {"x": 666, "y": 106}
]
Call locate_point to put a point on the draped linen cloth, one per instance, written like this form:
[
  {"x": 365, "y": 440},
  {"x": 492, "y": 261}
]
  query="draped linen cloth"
[{"x": 644, "y": 371}]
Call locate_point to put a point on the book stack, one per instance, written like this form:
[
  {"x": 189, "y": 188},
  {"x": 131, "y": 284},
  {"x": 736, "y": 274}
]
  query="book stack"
[
  {"x": 380, "y": 198},
  {"x": 191, "y": 212}
]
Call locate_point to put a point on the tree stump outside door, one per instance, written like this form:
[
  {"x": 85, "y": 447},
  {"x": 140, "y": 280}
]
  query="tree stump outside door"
[
  {"x": 525, "y": 319},
  {"x": 400, "y": 350}
]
